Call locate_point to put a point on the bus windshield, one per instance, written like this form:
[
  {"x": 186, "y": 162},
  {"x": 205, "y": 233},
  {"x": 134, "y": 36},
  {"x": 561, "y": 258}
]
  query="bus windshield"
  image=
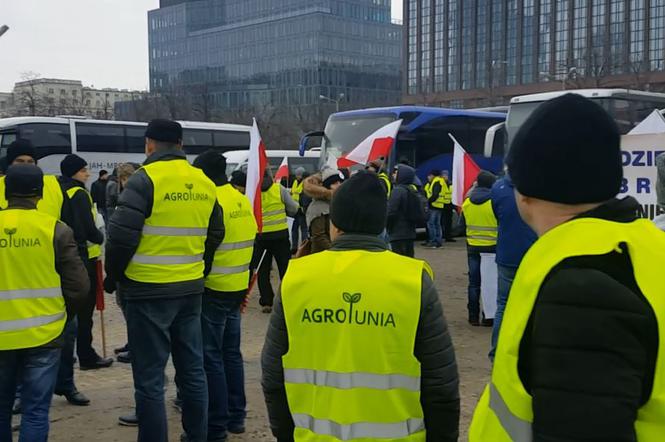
[{"x": 343, "y": 134}]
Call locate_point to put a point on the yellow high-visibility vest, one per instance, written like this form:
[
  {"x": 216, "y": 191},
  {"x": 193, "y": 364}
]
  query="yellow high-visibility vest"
[
  {"x": 441, "y": 200},
  {"x": 52, "y": 199},
  {"x": 447, "y": 190},
  {"x": 297, "y": 189},
  {"x": 173, "y": 240},
  {"x": 350, "y": 372},
  {"x": 481, "y": 224},
  {"x": 32, "y": 309},
  {"x": 505, "y": 411},
  {"x": 428, "y": 189},
  {"x": 386, "y": 179},
  {"x": 273, "y": 210},
  {"x": 94, "y": 250},
  {"x": 230, "y": 269}
]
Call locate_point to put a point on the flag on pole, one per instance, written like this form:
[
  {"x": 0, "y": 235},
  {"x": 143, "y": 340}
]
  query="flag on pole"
[
  {"x": 465, "y": 172},
  {"x": 283, "y": 171},
  {"x": 256, "y": 167},
  {"x": 378, "y": 145}
]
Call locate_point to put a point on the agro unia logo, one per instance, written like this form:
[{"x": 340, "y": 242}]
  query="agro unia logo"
[
  {"x": 11, "y": 242},
  {"x": 351, "y": 315},
  {"x": 189, "y": 195}
]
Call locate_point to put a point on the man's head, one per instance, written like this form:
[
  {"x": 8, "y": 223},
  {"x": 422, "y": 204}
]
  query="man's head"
[
  {"x": 73, "y": 166},
  {"x": 485, "y": 179},
  {"x": 359, "y": 206},
  {"x": 300, "y": 173},
  {"x": 213, "y": 164},
  {"x": 375, "y": 166},
  {"x": 103, "y": 175},
  {"x": 162, "y": 135},
  {"x": 660, "y": 181},
  {"x": 24, "y": 181},
  {"x": 21, "y": 152},
  {"x": 124, "y": 171},
  {"x": 433, "y": 174},
  {"x": 565, "y": 160},
  {"x": 331, "y": 178},
  {"x": 239, "y": 180}
]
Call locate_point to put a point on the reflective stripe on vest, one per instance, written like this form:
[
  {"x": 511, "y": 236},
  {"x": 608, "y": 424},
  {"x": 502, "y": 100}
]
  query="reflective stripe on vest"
[
  {"x": 32, "y": 309},
  {"x": 230, "y": 268},
  {"x": 274, "y": 212},
  {"x": 481, "y": 224},
  {"x": 504, "y": 412},
  {"x": 359, "y": 430},
  {"x": 94, "y": 250},
  {"x": 173, "y": 238},
  {"x": 336, "y": 386},
  {"x": 52, "y": 198}
]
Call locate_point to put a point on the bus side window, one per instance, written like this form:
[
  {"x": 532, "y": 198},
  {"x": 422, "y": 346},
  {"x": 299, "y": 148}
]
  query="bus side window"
[
  {"x": 196, "y": 141},
  {"x": 100, "y": 138},
  {"x": 48, "y": 139},
  {"x": 135, "y": 139},
  {"x": 227, "y": 140}
]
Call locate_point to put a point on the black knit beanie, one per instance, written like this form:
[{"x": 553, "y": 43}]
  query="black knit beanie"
[
  {"x": 486, "y": 179},
  {"x": 20, "y": 148},
  {"x": 567, "y": 151},
  {"x": 213, "y": 165},
  {"x": 71, "y": 164},
  {"x": 24, "y": 180},
  {"x": 239, "y": 178},
  {"x": 360, "y": 205}
]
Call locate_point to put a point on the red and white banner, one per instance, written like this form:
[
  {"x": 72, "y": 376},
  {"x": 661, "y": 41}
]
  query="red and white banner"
[
  {"x": 465, "y": 172},
  {"x": 256, "y": 167},
  {"x": 378, "y": 145},
  {"x": 283, "y": 171}
]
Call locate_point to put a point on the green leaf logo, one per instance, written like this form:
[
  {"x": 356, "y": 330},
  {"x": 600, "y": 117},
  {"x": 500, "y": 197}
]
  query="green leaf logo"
[
  {"x": 189, "y": 186},
  {"x": 346, "y": 296},
  {"x": 351, "y": 299},
  {"x": 356, "y": 297},
  {"x": 10, "y": 232}
]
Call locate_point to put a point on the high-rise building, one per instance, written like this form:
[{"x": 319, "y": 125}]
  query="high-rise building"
[
  {"x": 245, "y": 53},
  {"x": 477, "y": 52}
]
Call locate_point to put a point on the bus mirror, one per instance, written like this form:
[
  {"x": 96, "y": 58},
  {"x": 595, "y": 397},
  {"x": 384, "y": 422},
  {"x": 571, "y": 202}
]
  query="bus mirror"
[
  {"x": 305, "y": 139},
  {"x": 490, "y": 136}
]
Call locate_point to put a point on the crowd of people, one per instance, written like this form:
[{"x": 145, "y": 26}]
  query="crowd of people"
[{"x": 575, "y": 347}]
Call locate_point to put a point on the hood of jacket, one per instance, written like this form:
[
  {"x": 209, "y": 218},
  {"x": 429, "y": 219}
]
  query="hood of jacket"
[
  {"x": 405, "y": 175},
  {"x": 479, "y": 195}
]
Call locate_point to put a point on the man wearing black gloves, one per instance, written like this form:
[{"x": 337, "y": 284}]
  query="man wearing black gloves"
[
  {"x": 579, "y": 356},
  {"x": 89, "y": 237}
]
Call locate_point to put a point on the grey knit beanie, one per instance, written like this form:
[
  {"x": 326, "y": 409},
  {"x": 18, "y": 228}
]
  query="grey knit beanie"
[{"x": 660, "y": 182}]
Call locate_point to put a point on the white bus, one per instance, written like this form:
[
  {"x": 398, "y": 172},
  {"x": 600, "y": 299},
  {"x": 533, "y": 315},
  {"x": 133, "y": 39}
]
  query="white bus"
[
  {"x": 105, "y": 144},
  {"x": 628, "y": 107},
  {"x": 237, "y": 160}
]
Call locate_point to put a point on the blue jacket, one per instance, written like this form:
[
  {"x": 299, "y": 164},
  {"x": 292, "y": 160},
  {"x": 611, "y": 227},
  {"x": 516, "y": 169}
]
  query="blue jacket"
[{"x": 515, "y": 237}]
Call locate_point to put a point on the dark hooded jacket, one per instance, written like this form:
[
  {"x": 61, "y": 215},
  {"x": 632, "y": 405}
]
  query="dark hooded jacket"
[
  {"x": 125, "y": 230},
  {"x": 400, "y": 226},
  {"x": 83, "y": 224},
  {"x": 439, "y": 380}
]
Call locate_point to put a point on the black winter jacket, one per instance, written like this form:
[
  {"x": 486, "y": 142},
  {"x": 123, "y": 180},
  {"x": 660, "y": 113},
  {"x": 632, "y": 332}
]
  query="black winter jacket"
[
  {"x": 84, "y": 226},
  {"x": 398, "y": 224},
  {"x": 126, "y": 227},
  {"x": 433, "y": 348},
  {"x": 589, "y": 351}
]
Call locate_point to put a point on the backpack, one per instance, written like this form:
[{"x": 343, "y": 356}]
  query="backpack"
[{"x": 417, "y": 207}]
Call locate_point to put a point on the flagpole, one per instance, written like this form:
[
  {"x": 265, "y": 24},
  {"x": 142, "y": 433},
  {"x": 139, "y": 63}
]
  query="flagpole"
[{"x": 252, "y": 281}]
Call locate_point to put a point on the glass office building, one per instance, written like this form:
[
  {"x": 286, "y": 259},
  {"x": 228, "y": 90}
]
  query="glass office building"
[
  {"x": 244, "y": 53},
  {"x": 481, "y": 52}
]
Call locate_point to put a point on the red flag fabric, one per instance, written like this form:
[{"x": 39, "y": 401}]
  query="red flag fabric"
[
  {"x": 256, "y": 167},
  {"x": 378, "y": 145},
  {"x": 99, "y": 290},
  {"x": 283, "y": 171},
  {"x": 465, "y": 172}
]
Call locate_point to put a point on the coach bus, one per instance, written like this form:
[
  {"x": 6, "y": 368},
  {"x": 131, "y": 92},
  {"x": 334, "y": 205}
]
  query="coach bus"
[
  {"x": 423, "y": 139},
  {"x": 104, "y": 144}
]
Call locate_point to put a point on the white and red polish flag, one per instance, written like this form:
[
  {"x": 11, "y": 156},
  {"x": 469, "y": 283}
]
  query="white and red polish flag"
[
  {"x": 378, "y": 145},
  {"x": 465, "y": 172},
  {"x": 256, "y": 168},
  {"x": 283, "y": 171}
]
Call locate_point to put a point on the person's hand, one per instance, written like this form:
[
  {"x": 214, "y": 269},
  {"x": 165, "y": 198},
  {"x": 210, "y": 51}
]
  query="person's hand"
[{"x": 110, "y": 285}]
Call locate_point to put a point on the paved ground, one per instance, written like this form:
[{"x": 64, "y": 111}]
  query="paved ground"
[{"x": 112, "y": 395}]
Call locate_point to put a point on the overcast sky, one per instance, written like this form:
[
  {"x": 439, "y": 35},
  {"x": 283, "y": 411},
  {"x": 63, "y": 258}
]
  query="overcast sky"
[{"x": 100, "y": 42}]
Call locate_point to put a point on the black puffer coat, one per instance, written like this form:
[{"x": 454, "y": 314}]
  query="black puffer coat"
[
  {"x": 433, "y": 348},
  {"x": 399, "y": 224}
]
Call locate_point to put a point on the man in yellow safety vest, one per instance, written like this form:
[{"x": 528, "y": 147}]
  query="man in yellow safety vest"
[
  {"x": 226, "y": 290},
  {"x": 162, "y": 240},
  {"x": 579, "y": 355},
  {"x": 357, "y": 347},
  {"x": 481, "y": 234},
  {"x": 435, "y": 191},
  {"x": 42, "y": 278},
  {"x": 299, "y": 231}
]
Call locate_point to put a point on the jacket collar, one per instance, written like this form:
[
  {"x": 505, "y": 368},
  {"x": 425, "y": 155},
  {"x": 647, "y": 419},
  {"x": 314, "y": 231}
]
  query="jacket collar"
[
  {"x": 617, "y": 210},
  {"x": 165, "y": 155},
  {"x": 21, "y": 203},
  {"x": 354, "y": 241}
]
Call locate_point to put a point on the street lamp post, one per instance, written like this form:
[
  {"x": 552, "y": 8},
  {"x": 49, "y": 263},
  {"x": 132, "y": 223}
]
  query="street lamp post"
[
  {"x": 3, "y": 29},
  {"x": 339, "y": 100}
]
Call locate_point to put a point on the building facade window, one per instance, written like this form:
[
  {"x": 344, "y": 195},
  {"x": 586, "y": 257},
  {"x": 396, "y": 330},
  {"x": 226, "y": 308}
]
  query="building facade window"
[
  {"x": 617, "y": 37},
  {"x": 528, "y": 40},
  {"x": 453, "y": 28},
  {"x": 498, "y": 62},
  {"x": 468, "y": 28},
  {"x": 561, "y": 42},
  {"x": 580, "y": 33},
  {"x": 482, "y": 39},
  {"x": 440, "y": 25},
  {"x": 545, "y": 41},
  {"x": 599, "y": 60},
  {"x": 657, "y": 34},
  {"x": 637, "y": 28},
  {"x": 412, "y": 68},
  {"x": 425, "y": 45},
  {"x": 511, "y": 45}
]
